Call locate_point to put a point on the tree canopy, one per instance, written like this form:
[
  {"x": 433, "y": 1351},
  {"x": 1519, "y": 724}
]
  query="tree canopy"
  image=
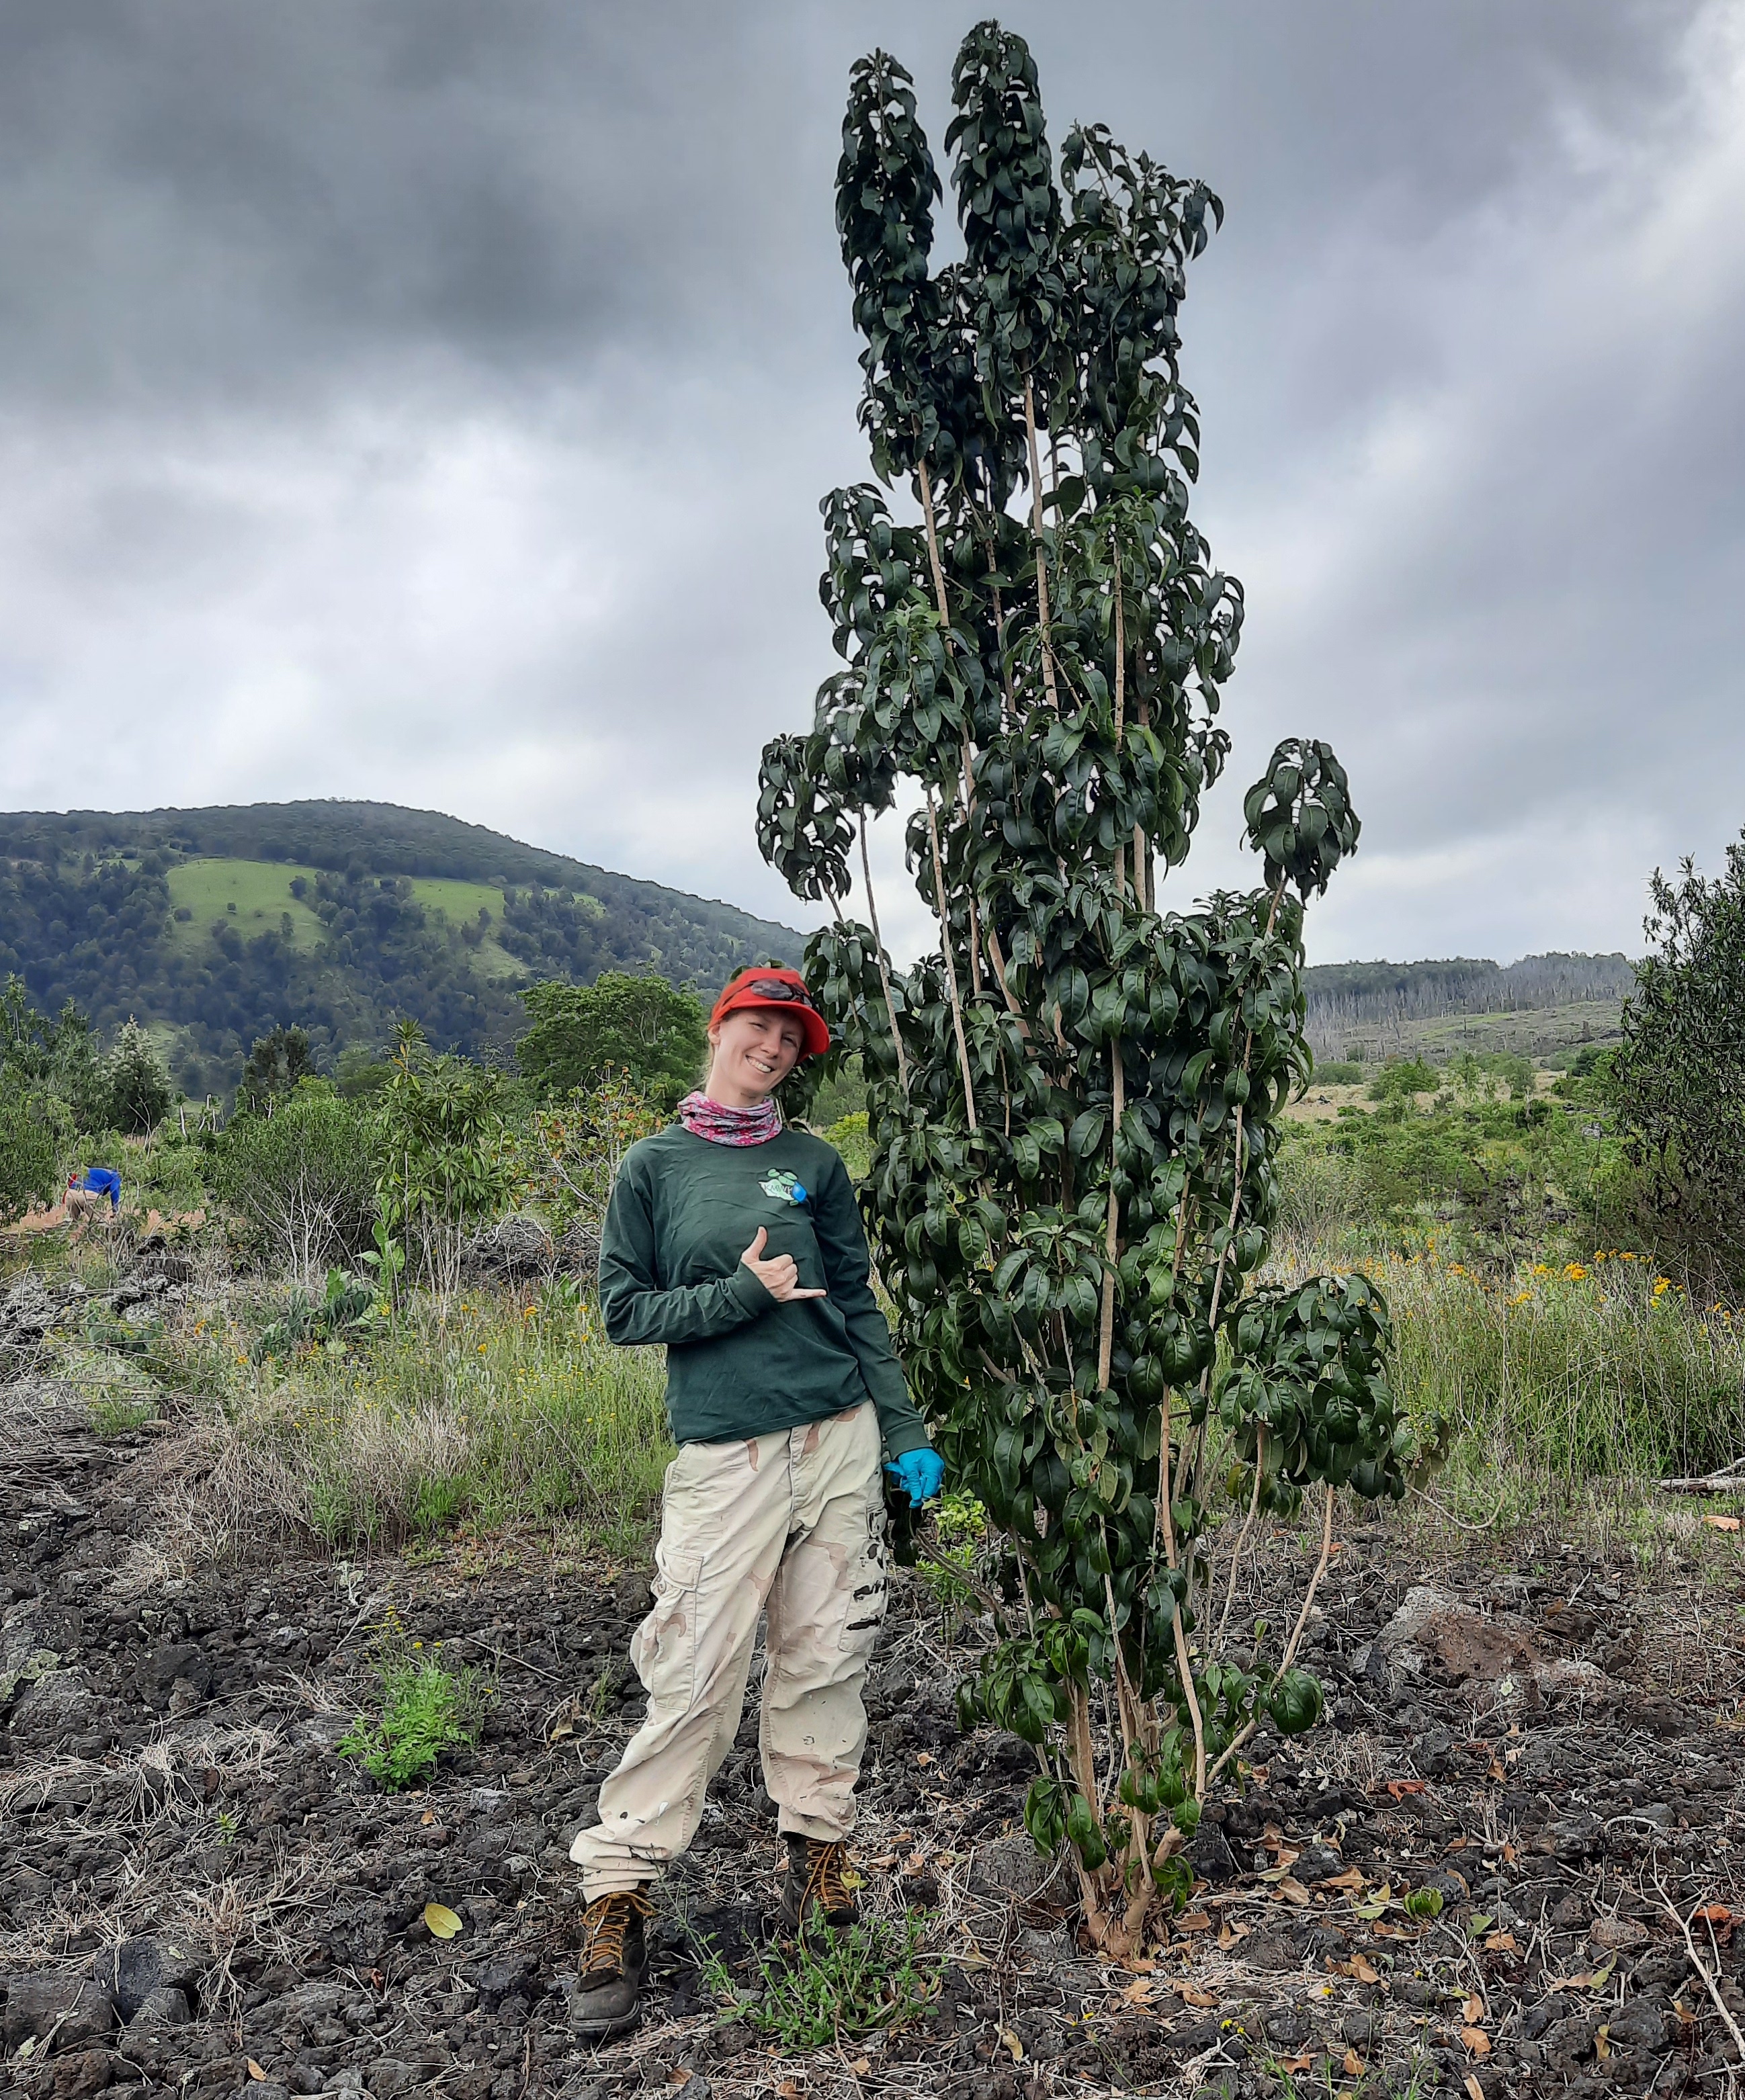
[{"x": 642, "y": 1025}]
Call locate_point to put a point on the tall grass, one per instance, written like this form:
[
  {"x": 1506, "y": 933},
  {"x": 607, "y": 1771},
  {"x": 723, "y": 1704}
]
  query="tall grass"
[
  {"x": 1591, "y": 1369},
  {"x": 501, "y": 1414}
]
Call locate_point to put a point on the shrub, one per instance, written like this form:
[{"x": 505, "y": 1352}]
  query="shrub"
[
  {"x": 1339, "y": 1072},
  {"x": 425, "y": 1710},
  {"x": 303, "y": 1178},
  {"x": 575, "y": 1146},
  {"x": 1401, "y": 1078},
  {"x": 1574, "y": 1371},
  {"x": 446, "y": 1158},
  {"x": 278, "y": 1061},
  {"x": 167, "y": 1174},
  {"x": 1323, "y": 1195},
  {"x": 55, "y": 1059},
  {"x": 306, "y": 1321},
  {"x": 1482, "y": 1075},
  {"x": 849, "y": 1138},
  {"x": 33, "y": 1128}
]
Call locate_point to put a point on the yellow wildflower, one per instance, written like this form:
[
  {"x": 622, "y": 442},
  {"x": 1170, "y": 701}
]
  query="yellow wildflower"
[{"x": 1663, "y": 1284}]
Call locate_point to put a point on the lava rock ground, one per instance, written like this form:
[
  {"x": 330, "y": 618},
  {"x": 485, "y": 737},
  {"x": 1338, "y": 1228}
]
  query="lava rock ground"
[{"x": 198, "y": 1893}]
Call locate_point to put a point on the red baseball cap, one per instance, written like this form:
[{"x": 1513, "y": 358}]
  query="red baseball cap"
[{"x": 778, "y": 988}]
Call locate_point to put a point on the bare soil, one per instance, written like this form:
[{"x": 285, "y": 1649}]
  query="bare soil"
[{"x": 169, "y": 1785}]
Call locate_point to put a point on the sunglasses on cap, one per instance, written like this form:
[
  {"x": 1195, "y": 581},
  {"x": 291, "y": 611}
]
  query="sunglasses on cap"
[{"x": 773, "y": 989}]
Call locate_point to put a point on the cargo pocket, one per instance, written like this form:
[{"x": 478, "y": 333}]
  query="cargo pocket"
[
  {"x": 867, "y": 1579},
  {"x": 664, "y": 1648}
]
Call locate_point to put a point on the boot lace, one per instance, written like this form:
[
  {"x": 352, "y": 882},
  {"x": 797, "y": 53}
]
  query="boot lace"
[
  {"x": 826, "y": 1861},
  {"x": 604, "y": 1927}
]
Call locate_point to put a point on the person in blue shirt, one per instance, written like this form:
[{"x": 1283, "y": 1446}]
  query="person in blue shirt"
[{"x": 101, "y": 1181}]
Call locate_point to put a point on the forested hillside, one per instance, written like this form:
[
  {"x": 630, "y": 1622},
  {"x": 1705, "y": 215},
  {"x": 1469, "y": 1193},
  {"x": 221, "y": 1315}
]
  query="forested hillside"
[
  {"x": 217, "y": 924},
  {"x": 1379, "y": 1009}
]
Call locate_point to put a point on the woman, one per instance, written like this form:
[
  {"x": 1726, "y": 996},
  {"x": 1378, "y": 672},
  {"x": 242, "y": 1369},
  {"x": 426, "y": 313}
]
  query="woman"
[{"x": 737, "y": 1243}]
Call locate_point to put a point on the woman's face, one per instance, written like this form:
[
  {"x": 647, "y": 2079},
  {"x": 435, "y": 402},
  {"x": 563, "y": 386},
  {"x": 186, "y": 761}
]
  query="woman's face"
[{"x": 755, "y": 1048}]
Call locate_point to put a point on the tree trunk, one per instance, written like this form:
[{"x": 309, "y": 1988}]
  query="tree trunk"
[{"x": 951, "y": 966}]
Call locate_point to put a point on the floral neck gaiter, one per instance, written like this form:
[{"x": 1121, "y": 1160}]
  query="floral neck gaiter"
[{"x": 722, "y": 1125}]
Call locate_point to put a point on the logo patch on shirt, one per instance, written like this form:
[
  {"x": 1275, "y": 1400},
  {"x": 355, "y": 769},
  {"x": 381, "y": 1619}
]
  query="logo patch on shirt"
[{"x": 783, "y": 1186}]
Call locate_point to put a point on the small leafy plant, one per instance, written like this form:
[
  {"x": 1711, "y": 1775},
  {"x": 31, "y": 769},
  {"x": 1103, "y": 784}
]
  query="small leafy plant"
[
  {"x": 871, "y": 1979},
  {"x": 959, "y": 1530},
  {"x": 343, "y": 1306},
  {"x": 110, "y": 1417},
  {"x": 425, "y": 1709}
]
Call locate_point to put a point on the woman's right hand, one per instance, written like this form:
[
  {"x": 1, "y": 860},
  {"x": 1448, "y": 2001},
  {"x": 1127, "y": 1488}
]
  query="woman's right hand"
[{"x": 779, "y": 1276}]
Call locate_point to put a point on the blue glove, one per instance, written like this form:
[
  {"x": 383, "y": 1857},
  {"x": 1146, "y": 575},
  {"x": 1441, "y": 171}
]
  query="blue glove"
[{"x": 921, "y": 1473}]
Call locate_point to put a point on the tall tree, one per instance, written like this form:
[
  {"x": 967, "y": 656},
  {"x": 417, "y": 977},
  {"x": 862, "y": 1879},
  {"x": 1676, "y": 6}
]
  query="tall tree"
[
  {"x": 140, "y": 1089},
  {"x": 1678, "y": 1077},
  {"x": 643, "y": 1026},
  {"x": 1072, "y": 1104},
  {"x": 278, "y": 1061}
]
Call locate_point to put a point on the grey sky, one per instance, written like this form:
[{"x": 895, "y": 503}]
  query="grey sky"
[{"x": 431, "y": 402}]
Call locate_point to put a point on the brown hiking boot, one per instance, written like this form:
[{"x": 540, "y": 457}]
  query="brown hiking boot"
[
  {"x": 816, "y": 1890},
  {"x": 614, "y": 1955}
]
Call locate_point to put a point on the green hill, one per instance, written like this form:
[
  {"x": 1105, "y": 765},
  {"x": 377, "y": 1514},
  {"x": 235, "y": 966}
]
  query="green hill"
[
  {"x": 1542, "y": 1006},
  {"x": 214, "y": 925}
]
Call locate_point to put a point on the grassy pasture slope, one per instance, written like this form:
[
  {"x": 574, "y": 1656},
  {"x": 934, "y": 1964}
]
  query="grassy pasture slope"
[
  {"x": 461, "y": 903},
  {"x": 261, "y": 891}
]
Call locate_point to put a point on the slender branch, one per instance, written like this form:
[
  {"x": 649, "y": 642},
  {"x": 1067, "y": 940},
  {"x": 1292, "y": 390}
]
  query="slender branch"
[
  {"x": 1296, "y": 1640},
  {"x": 933, "y": 551},
  {"x": 1127, "y": 1696},
  {"x": 1083, "y": 1750},
  {"x": 1112, "y": 1230},
  {"x": 884, "y": 967},
  {"x": 1012, "y": 1006},
  {"x": 1248, "y": 1526},
  {"x": 975, "y": 923},
  {"x": 1314, "y": 1583},
  {"x": 1185, "y": 1670},
  {"x": 1702, "y": 1968},
  {"x": 1120, "y": 710},
  {"x": 951, "y": 966},
  {"x": 945, "y": 625},
  {"x": 1184, "y": 1660},
  {"x": 1036, "y": 517},
  {"x": 1248, "y": 1729},
  {"x": 1008, "y": 706}
]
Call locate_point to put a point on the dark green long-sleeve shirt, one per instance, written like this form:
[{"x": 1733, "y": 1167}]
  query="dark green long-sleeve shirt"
[{"x": 682, "y": 1211}]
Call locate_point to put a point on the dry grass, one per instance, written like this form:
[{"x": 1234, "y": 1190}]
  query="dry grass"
[
  {"x": 502, "y": 1413},
  {"x": 1555, "y": 1377}
]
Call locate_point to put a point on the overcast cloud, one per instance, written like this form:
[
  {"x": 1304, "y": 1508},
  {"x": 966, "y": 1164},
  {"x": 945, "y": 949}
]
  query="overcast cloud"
[{"x": 430, "y": 402}]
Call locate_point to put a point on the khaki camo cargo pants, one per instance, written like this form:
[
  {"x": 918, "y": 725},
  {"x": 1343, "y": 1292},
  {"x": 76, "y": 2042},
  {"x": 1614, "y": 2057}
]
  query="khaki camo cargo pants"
[{"x": 791, "y": 1525}]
